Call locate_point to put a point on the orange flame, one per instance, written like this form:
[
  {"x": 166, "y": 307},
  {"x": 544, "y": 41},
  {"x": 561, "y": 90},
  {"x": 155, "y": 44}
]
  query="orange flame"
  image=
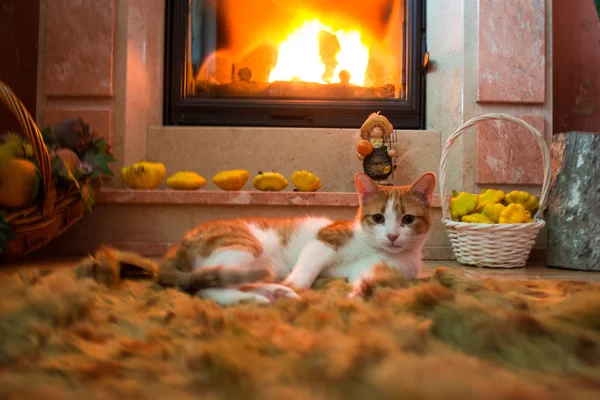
[{"x": 299, "y": 56}]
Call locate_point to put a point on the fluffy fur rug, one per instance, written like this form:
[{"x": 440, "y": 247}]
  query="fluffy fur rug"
[{"x": 67, "y": 335}]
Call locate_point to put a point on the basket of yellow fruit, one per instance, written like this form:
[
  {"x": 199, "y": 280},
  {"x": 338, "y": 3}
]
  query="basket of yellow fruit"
[
  {"x": 494, "y": 228},
  {"x": 45, "y": 178}
]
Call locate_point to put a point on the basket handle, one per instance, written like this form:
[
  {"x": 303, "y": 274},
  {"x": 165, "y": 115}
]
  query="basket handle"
[
  {"x": 538, "y": 137},
  {"x": 33, "y": 134}
]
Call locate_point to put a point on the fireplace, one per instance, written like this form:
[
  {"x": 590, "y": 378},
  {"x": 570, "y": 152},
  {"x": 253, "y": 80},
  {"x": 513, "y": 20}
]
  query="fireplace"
[{"x": 295, "y": 63}]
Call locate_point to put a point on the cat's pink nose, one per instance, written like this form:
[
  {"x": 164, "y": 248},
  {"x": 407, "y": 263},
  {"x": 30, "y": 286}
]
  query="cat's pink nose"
[{"x": 392, "y": 237}]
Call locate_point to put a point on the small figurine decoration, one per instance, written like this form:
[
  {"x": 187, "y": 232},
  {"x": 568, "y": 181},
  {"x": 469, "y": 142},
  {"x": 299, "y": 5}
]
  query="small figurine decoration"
[{"x": 375, "y": 149}]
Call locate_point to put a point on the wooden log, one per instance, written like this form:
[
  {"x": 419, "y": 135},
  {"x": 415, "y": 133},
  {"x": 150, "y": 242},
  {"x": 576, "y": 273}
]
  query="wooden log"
[
  {"x": 295, "y": 89},
  {"x": 574, "y": 203}
]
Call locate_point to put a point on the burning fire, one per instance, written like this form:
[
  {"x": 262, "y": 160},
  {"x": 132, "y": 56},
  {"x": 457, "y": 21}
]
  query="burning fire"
[{"x": 301, "y": 55}]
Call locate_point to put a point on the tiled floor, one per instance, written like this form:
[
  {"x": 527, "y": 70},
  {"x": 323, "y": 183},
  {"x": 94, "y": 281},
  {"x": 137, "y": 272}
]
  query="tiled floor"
[{"x": 533, "y": 271}]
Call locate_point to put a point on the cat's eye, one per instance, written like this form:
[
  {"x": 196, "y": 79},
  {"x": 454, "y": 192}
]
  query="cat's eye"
[
  {"x": 408, "y": 219},
  {"x": 378, "y": 218}
]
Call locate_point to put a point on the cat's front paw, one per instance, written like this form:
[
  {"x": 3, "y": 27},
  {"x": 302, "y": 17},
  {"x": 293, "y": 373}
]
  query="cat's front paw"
[
  {"x": 356, "y": 293},
  {"x": 283, "y": 291},
  {"x": 271, "y": 291},
  {"x": 298, "y": 281},
  {"x": 362, "y": 288}
]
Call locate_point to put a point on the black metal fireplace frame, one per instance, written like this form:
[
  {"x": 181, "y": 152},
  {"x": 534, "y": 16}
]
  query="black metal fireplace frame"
[{"x": 182, "y": 110}]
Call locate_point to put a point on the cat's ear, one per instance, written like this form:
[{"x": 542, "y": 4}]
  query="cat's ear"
[
  {"x": 367, "y": 189},
  {"x": 422, "y": 189}
]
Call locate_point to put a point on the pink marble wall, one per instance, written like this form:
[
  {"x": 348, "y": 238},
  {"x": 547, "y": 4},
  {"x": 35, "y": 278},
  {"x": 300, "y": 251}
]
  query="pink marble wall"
[
  {"x": 512, "y": 76},
  {"x": 103, "y": 61},
  {"x": 511, "y": 51},
  {"x": 100, "y": 121},
  {"x": 507, "y": 153},
  {"x": 456, "y": 91},
  {"x": 577, "y": 66},
  {"x": 77, "y": 69},
  {"x": 19, "y": 21},
  {"x": 142, "y": 90},
  {"x": 79, "y": 47}
]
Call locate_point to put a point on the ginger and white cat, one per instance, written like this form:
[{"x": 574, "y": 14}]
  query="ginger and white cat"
[{"x": 232, "y": 260}]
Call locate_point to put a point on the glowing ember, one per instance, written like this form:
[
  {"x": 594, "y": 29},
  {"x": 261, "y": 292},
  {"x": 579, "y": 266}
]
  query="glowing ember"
[{"x": 300, "y": 55}]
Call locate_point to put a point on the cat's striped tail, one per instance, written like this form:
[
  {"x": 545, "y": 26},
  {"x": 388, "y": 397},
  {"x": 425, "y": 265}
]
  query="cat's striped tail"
[{"x": 209, "y": 276}]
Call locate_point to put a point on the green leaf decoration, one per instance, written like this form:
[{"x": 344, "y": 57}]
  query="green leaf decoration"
[
  {"x": 100, "y": 145},
  {"x": 15, "y": 145},
  {"x": 29, "y": 153},
  {"x": 597, "y": 4},
  {"x": 78, "y": 173},
  {"x": 70, "y": 176},
  {"x": 56, "y": 164},
  {"x": 85, "y": 128},
  {"x": 5, "y": 234},
  {"x": 47, "y": 136},
  {"x": 100, "y": 163},
  {"x": 36, "y": 184},
  {"x": 92, "y": 149},
  {"x": 69, "y": 133},
  {"x": 61, "y": 170},
  {"x": 87, "y": 193},
  {"x": 454, "y": 193}
]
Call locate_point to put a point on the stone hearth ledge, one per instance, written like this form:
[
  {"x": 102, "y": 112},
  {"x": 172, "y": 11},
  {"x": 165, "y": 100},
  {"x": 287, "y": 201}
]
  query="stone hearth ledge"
[{"x": 214, "y": 197}]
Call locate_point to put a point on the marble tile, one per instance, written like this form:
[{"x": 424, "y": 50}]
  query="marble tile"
[
  {"x": 155, "y": 250},
  {"x": 80, "y": 248},
  {"x": 328, "y": 153},
  {"x": 533, "y": 270},
  {"x": 79, "y": 47},
  {"x": 141, "y": 226},
  {"x": 19, "y": 38},
  {"x": 147, "y": 249},
  {"x": 511, "y": 51},
  {"x": 576, "y": 76},
  {"x": 35, "y": 261},
  {"x": 214, "y": 197},
  {"x": 438, "y": 246},
  {"x": 446, "y": 77},
  {"x": 100, "y": 121},
  {"x": 508, "y": 154},
  {"x": 141, "y": 84}
]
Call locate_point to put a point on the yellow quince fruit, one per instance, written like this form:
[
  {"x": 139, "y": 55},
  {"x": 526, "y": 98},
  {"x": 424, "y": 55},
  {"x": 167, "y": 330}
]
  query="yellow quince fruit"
[
  {"x": 306, "y": 181},
  {"x": 234, "y": 179},
  {"x": 186, "y": 180},
  {"x": 144, "y": 175},
  {"x": 270, "y": 181}
]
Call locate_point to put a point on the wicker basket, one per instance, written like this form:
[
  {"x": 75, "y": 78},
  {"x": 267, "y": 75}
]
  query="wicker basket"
[
  {"x": 37, "y": 225},
  {"x": 494, "y": 245}
]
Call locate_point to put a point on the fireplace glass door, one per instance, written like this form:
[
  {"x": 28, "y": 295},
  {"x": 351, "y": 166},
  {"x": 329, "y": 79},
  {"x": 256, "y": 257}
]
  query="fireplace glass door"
[{"x": 323, "y": 63}]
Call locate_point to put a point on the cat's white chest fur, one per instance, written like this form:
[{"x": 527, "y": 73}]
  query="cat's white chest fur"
[
  {"x": 283, "y": 258},
  {"x": 391, "y": 228},
  {"x": 353, "y": 260},
  {"x": 358, "y": 257}
]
